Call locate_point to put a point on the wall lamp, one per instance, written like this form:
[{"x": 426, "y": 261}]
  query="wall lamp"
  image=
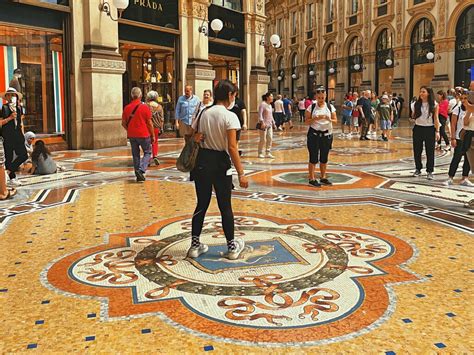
[
  {"x": 431, "y": 56},
  {"x": 216, "y": 26},
  {"x": 121, "y": 5},
  {"x": 281, "y": 75}
]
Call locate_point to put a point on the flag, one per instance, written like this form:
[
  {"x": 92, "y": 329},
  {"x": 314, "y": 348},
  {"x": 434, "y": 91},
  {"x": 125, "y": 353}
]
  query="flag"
[
  {"x": 8, "y": 63},
  {"x": 58, "y": 83}
]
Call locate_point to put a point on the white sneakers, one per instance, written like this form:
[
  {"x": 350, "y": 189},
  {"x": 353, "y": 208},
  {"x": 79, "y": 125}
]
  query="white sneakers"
[
  {"x": 231, "y": 255},
  {"x": 268, "y": 155},
  {"x": 261, "y": 156},
  {"x": 195, "y": 252},
  {"x": 448, "y": 182},
  {"x": 15, "y": 182},
  {"x": 464, "y": 182}
]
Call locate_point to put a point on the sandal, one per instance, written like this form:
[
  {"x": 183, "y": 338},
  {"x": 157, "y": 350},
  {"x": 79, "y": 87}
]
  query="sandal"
[{"x": 10, "y": 193}]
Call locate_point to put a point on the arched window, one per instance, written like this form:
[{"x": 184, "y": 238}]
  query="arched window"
[
  {"x": 384, "y": 40},
  {"x": 311, "y": 58},
  {"x": 423, "y": 32},
  {"x": 330, "y": 10},
  {"x": 294, "y": 66},
  {"x": 355, "y": 47},
  {"x": 464, "y": 49},
  {"x": 331, "y": 52},
  {"x": 280, "y": 74},
  {"x": 269, "y": 67}
]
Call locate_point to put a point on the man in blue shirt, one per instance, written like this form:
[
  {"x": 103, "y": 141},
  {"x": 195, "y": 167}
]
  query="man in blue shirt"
[
  {"x": 287, "y": 107},
  {"x": 185, "y": 108}
]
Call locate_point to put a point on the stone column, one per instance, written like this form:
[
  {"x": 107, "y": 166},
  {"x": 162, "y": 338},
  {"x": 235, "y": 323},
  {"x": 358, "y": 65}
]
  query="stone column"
[
  {"x": 195, "y": 47},
  {"x": 444, "y": 64},
  {"x": 401, "y": 73},
  {"x": 98, "y": 82},
  {"x": 258, "y": 79}
]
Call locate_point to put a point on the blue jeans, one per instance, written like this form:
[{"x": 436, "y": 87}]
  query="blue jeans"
[{"x": 145, "y": 144}]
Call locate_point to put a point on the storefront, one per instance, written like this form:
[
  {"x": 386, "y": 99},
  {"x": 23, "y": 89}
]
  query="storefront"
[
  {"x": 384, "y": 62},
  {"x": 465, "y": 48},
  {"x": 422, "y": 66},
  {"x": 32, "y": 38},
  {"x": 149, "y": 44},
  {"x": 331, "y": 72},
  {"x": 227, "y": 47}
]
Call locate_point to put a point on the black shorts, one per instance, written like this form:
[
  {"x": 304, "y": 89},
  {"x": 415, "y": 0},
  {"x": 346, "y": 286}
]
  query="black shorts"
[{"x": 319, "y": 144}]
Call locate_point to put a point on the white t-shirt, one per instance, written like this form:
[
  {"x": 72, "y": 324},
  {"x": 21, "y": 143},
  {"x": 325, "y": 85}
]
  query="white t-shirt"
[
  {"x": 460, "y": 113},
  {"x": 214, "y": 124},
  {"x": 301, "y": 105},
  {"x": 279, "y": 106},
  {"x": 426, "y": 119},
  {"x": 452, "y": 104},
  {"x": 322, "y": 125}
]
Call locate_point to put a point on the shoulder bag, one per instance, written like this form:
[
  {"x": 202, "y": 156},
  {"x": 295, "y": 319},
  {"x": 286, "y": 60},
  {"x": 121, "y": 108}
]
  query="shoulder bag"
[{"x": 187, "y": 158}]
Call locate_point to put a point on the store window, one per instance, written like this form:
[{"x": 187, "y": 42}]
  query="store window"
[
  {"x": 311, "y": 60},
  {"x": 355, "y": 63},
  {"x": 465, "y": 48},
  {"x": 384, "y": 62},
  {"x": 230, "y": 4},
  {"x": 151, "y": 68},
  {"x": 39, "y": 55},
  {"x": 331, "y": 71},
  {"x": 422, "y": 67}
]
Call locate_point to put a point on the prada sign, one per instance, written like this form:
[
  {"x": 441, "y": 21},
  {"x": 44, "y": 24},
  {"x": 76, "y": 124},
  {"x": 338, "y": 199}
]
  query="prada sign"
[
  {"x": 162, "y": 13},
  {"x": 233, "y": 21}
]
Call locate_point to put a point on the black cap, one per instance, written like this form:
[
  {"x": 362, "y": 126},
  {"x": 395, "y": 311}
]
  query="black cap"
[{"x": 17, "y": 71}]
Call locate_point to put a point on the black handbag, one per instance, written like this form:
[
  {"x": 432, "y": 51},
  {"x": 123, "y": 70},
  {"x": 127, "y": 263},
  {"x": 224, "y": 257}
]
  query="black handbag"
[{"x": 187, "y": 158}]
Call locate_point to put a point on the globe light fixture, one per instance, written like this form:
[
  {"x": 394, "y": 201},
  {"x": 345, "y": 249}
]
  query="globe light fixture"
[
  {"x": 120, "y": 5},
  {"x": 279, "y": 78},
  {"x": 275, "y": 41},
  {"x": 217, "y": 25},
  {"x": 357, "y": 66},
  {"x": 332, "y": 70},
  {"x": 294, "y": 76},
  {"x": 311, "y": 73},
  {"x": 430, "y": 55},
  {"x": 388, "y": 62}
]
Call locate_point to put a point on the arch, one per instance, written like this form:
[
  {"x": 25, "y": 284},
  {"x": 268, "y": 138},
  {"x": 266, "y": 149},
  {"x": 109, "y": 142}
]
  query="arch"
[
  {"x": 310, "y": 51},
  {"x": 455, "y": 16},
  {"x": 326, "y": 48},
  {"x": 293, "y": 57},
  {"x": 280, "y": 64},
  {"x": 414, "y": 21},
  {"x": 269, "y": 66},
  {"x": 331, "y": 52},
  {"x": 349, "y": 40},
  {"x": 384, "y": 40},
  {"x": 355, "y": 46},
  {"x": 376, "y": 33},
  {"x": 423, "y": 30}
]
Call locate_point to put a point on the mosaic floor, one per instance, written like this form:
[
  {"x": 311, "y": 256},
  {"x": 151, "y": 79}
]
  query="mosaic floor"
[{"x": 377, "y": 263}]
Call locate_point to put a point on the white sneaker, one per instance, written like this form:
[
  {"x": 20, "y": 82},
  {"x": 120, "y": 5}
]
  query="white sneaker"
[
  {"x": 261, "y": 156},
  {"x": 430, "y": 176},
  {"x": 233, "y": 255},
  {"x": 15, "y": 182},
  {"x": 195, "y": 252},
  {"x": 448, "y": 182},
  {"x": 269, "y": 155},
  {"x": 466, "y": 182}
]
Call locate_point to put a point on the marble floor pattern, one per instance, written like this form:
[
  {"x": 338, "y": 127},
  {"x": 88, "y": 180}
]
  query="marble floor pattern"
[{"x": 378, "y": 263}]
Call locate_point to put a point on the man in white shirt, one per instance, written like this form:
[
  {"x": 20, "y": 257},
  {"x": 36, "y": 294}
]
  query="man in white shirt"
[{"x": 279, "y": 112}]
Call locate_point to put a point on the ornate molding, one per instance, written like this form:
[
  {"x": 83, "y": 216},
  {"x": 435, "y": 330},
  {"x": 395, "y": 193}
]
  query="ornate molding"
[
  {"x": 399, "y": 21},
  {"x": 424, "y": 6},
  {"x": 442, "y": 18},
  {"x": 97, "y": 65}
]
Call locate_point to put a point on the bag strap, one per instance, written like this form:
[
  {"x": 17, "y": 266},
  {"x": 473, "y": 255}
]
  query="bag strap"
[
  {"x": 198, "y": 118},
  {"x": 313, "y": 106},
  {"x": 132, "y": 114}
]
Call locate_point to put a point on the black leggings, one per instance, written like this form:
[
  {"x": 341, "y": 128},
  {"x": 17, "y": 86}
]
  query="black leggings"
[
  {"x": 18, "y": 147},
  {"x": 424, "y": 136},
  {"x": 442, "y": 130},
  {"x": 213, "y": 174}
]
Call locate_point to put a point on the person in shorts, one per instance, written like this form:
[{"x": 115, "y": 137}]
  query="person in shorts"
[
  {"x": 385, "y": 113},
  {"x": 346, "y": 117},
  {"x": 279, "y": 112},
  {"x": 355, "y": 114},
  {"x": 320, "y": 118}
]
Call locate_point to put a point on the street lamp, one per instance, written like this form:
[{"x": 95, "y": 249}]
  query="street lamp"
[
  {"x": 357, "y": 67},
  {"x": 388, "y": 62},
  {"x": 275, "y": 41},
  {"x": 217, "y": 25},
  {"x": 311, "y": 73},
  {"x": 120, "y": 5},
  {"x": 294, "y": 76},
  {"x": 332, "y": 70}
]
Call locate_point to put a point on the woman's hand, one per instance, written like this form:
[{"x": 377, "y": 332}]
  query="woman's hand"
[
  {"x": 243, "y": 182},
  {"x": 438, "y": 137},
  {"x": 454, "y": 143}
]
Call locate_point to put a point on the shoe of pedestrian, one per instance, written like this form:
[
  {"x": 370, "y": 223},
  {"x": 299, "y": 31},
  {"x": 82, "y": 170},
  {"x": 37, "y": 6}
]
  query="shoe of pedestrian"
[
  {"x": 417, "y": 173},
  {"x": 314, "y": 183},
  {"x": 385, "y": 139},
  {"x": 430, "y": 176},
  {"x": 156, "y": 161},
  {"x": 466, "y": 182},
  {"x": 195, "y": 252},
  {"x": 325, "y": 182},
  {"x": 469, "y": 204},
  {"x": 261, "y": 156},
  {"x": 234, "y": 254},
  {"x": 140, "y": 176},
  {"x": 15, "y": 182},
  {"x": 269, "y": 155},
  {"x": 448, "y": 182}
]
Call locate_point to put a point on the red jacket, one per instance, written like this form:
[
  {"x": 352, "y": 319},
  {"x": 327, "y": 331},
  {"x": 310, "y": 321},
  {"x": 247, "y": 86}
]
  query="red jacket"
[{"x": 137, "y": 125}]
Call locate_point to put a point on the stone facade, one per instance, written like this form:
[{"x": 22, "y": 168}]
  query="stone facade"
[{"x": 352, "y": 33}]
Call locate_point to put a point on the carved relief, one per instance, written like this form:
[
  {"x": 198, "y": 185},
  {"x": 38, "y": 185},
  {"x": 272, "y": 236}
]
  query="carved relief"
[
  {"x": 442, "y": 18},
  {"x": 200, "y": 11},
  {"x": 260, "y": 6},
  {"x": 366, "y": 24},
  {"x": 341, "y": 21},
  {"x": 97, "y": 65},
  {"x": 399, "y": 21}
]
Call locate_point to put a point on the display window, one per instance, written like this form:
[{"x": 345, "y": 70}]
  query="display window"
[
  {"x": 39, "y": 55},
  {"x": 226, "y": 68},
  {"x": 151, "y": 68}
]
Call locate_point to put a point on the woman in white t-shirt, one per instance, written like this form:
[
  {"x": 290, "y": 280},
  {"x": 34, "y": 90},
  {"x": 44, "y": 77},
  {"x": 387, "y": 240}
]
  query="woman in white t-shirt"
[
  {"x": 320, "y": 118},
  {"x": 217, "y": 133},
  {"x": 426, "y": 130},
  {"x": 302, "y": 109}
]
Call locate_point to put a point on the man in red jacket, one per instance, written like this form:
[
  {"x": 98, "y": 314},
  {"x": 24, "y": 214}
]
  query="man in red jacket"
[{"x": 136, "y": 119}]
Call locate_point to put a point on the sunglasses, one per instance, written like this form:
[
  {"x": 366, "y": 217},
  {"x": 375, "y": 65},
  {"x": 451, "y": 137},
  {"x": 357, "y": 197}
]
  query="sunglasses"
[{"x": 320, "y": 91}]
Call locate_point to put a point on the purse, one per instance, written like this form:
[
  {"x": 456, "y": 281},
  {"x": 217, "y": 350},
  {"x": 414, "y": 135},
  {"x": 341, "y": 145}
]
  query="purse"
[
  {"x": 188, "y": 156},
  {"x": 259, "y": 125}
]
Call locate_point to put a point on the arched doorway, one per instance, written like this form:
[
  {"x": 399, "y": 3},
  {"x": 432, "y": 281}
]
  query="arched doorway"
[
  {"x": 280, "y": 74},
  {"x": 421, "y": 68},
  {"x": 311, "y": 82},
  {"x": 355, "y": 64},
  {"x": 384, "y": 62},
  {"x": 294, "y": 74},
  {"x": 269, "y": 69},
  {"x": 465, "y": 48},
  {"x": 331, "y": 71}
]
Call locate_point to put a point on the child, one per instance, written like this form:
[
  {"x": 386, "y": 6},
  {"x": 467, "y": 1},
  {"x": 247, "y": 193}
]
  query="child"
[
  {"x": 43, "y": 163},
  {"x": 385, "y": 112}
]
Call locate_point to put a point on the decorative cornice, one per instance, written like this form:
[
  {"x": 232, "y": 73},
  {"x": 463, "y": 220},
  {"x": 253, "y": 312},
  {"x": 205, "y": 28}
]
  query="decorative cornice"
[{"x": 99, "y": 65}]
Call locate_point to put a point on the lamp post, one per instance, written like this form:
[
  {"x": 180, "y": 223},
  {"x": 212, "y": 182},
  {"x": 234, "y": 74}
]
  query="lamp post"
[{"x": 120, "y": 5}]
